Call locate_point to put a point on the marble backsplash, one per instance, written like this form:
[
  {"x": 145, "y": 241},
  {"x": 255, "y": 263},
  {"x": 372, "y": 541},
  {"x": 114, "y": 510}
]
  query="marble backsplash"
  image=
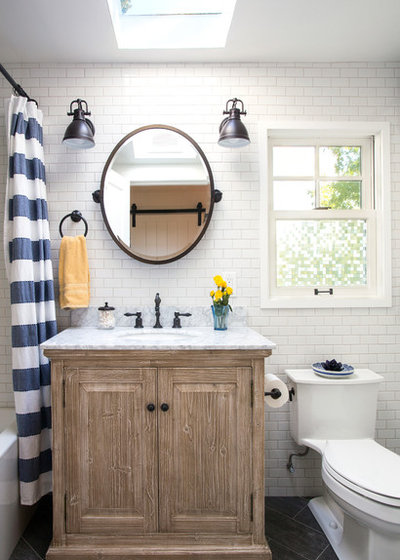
[{"x": 201, "y": 316}]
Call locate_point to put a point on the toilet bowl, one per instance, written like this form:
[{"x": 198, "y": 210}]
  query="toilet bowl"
[
  {"x": 360, "y": 508},
  {"x": 360, "y": 512}
]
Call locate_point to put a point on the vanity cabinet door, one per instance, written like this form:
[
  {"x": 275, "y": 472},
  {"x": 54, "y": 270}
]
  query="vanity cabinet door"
[
  {"x": 111, "y": 454},
  {"x": 205, "y": 442}
]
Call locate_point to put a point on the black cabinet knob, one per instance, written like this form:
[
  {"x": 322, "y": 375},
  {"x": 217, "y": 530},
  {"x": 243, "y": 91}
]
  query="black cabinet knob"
[
  {"x": 164, "y": 407},
  {"x": 151, "y": 407}
]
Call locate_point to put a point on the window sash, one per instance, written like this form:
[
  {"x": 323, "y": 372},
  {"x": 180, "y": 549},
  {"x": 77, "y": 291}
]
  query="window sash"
[
  {"x": 324, "y": 215},
  {"x": 367, "y": 198}
]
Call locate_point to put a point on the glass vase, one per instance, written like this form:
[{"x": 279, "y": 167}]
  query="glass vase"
[{"x": 220, "y": 314}]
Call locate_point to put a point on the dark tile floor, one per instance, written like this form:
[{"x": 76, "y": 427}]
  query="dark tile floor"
[{"x": 291, "y": 530}]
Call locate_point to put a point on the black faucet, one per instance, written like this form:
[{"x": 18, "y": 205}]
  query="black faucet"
[
  {"x": 177, "y": 321},
  {"x": 157, "y": 301},
  {"x": 139, "y": 320}
]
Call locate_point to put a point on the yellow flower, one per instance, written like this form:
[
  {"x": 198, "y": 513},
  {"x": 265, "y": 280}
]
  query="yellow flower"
[
  {"x": 218, "y": 280},
  {"x": 218, "y": 295},
  {"x": 212, "y": 293},
  {"x": 223, "y": 284},
  {"x": 229, "y": 290}
]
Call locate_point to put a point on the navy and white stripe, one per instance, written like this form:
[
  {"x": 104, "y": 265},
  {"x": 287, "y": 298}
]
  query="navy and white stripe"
[{"x": 30, "y": 274}]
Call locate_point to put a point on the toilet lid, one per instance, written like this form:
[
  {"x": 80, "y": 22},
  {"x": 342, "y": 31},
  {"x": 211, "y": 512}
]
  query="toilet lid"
[{"x": 366, "y": 465}]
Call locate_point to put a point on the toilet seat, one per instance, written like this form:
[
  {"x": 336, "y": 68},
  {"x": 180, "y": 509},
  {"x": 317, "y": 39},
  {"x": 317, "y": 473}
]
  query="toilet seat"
[{"x": 365, "y": 467}]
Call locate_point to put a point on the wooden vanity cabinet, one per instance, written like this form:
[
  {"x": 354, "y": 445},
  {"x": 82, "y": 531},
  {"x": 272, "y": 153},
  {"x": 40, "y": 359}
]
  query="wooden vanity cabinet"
[{"x": 158, "y": 454}]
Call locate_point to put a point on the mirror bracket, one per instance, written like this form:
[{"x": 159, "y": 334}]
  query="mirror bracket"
[
  {"x": 217, "y": 195},
  {"x": 96, "y": 195}
]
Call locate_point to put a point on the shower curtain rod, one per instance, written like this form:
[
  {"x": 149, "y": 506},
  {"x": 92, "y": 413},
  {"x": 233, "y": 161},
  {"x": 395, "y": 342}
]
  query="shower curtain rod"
[{"x": 17, "y": 88}]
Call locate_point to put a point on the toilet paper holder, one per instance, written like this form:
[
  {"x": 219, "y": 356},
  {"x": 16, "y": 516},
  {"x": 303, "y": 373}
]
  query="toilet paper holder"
[{"x": 275, "y": 393}]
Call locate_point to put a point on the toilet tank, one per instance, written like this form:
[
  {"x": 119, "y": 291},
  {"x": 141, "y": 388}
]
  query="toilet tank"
[{"x": 337, "y": 408}]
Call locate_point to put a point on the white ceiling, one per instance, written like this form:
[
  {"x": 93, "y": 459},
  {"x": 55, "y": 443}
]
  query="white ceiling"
[{"x": 262, "y": 30}]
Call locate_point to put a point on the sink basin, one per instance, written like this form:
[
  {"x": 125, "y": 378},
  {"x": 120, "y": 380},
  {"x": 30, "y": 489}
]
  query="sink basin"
[{"x": 157, "y": 335}]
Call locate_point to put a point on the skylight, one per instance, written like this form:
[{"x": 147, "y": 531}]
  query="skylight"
[{"x": 171, "y": 24}]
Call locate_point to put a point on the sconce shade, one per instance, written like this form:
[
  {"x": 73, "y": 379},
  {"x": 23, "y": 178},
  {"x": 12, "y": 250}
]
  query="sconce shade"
[
  {"x": 79, "y": 134},
  {"x": 232, "y": 132}
]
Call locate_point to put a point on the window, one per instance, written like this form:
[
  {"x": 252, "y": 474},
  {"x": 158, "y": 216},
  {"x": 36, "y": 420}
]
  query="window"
[
  {"x": 171, "y": 24},
  {"x": 325, "y": 217}
]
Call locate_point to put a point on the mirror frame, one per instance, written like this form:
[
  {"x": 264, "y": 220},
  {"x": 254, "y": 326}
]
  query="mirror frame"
[{"x": 213, "y": 197}]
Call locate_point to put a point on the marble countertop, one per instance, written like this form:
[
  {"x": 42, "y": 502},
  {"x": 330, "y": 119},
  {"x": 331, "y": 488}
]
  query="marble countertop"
[{"x": 129, "y": 338}]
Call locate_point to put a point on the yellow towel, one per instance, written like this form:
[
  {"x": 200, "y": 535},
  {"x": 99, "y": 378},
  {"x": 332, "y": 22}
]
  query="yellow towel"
[{"x": 73, "y": 273}]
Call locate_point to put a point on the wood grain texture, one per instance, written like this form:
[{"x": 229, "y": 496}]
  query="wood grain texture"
[
  {"x": 58, "y": 452},
  {"x": 165, "y": 553},
  {"x": 157, "y": 358},
  {"x": 173, "y": 484},
  {"x": 201, "y": 451},
  {"x": 258, "y": 451},
  {"x": 112, "y": 482}
]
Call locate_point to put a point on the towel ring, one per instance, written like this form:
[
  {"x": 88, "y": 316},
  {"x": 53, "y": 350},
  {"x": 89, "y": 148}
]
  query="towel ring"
[{"x": 75, "y": 216}]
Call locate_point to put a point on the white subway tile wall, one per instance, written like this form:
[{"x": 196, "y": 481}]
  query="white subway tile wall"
[{"x": 192, "y": 97}]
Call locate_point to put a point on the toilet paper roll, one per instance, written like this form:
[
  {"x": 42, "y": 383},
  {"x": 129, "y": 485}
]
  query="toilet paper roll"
[{"x": 273, "y": 382}]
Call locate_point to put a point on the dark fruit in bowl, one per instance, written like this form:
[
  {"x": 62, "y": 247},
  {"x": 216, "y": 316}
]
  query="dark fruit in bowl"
[{"x": 332, "y": 365}]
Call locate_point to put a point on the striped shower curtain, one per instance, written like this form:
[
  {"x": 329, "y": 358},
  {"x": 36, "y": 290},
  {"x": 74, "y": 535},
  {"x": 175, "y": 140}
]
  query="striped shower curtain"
[{"x": 29, "y": 271}]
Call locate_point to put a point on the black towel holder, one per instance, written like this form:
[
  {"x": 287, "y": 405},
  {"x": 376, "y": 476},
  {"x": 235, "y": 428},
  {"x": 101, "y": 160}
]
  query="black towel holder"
[{"x": 75, "y": 216}]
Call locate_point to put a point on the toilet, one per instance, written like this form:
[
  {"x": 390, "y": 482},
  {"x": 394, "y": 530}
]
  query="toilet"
[{"x": 360, "y": 508}]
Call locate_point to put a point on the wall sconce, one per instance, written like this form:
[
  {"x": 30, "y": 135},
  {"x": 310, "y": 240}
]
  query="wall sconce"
[
  {"x": 79, "y": 134},
  {"x": 232, "y": 132}
]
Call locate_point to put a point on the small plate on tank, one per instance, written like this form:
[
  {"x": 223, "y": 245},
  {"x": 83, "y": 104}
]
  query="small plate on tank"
[{"x": 319, "y": 369}]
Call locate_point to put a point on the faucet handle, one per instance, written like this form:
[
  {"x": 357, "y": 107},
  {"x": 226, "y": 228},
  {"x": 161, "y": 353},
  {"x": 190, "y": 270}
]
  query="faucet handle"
[
  {"x": 177, "y": 321},
  {"x": 139, "y": 320}
]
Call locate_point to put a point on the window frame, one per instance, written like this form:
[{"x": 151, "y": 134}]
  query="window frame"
[{"x": 377, "y": 293}]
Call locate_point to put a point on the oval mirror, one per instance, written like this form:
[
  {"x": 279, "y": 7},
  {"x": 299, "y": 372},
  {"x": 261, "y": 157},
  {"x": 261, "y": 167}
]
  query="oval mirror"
[{"x": 157, "y": 194}]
